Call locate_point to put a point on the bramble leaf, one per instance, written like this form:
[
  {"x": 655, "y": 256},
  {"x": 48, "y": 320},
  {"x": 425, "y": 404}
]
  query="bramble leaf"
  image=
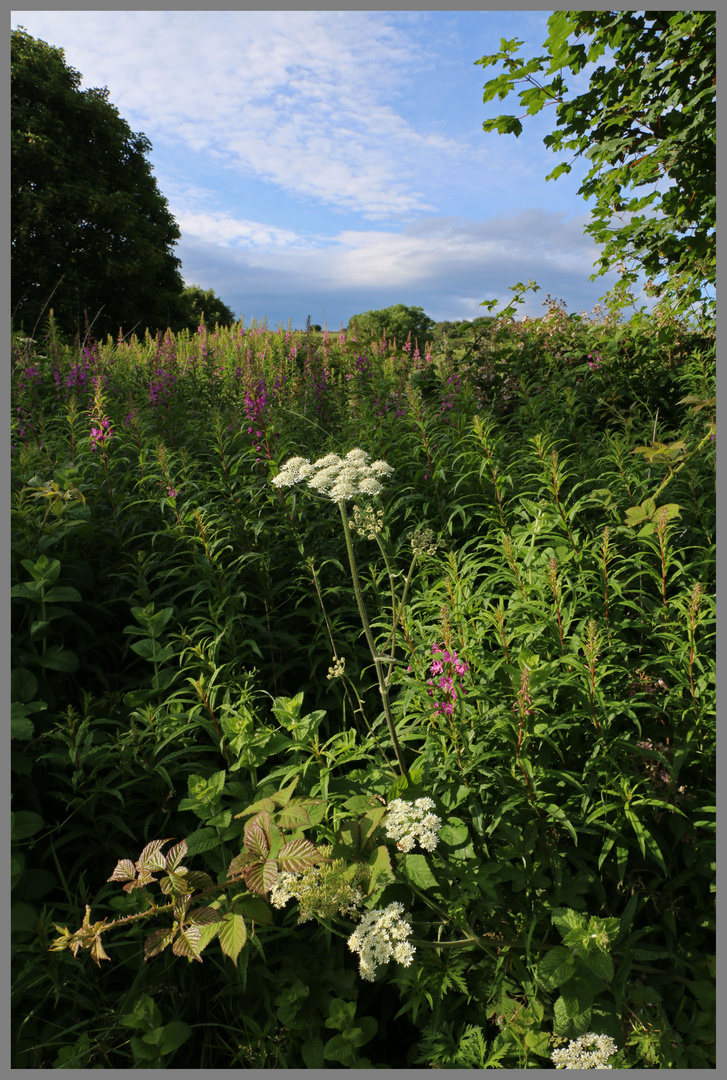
[{"x": 232, "y": 935}]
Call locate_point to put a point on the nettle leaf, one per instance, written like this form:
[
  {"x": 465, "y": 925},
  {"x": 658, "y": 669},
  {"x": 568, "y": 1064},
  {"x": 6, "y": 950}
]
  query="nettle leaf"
[
  {"x": 579, "y": 991},
  {"x": 157, "y": 942},
  {"x": 187, "y": 943},
  {"x": 567, "y": 919},
  {"x": 232, "y": 935},
  {"x": 202, "y": 840},
  {"x": 298, "y": 855},
  {"x": 556, "y": 967},
  {"x": 569, "y": 1026},
  {"x": 598, "y": 963}
]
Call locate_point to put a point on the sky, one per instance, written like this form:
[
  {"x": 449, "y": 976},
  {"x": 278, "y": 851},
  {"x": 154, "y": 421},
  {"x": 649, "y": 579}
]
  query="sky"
[{"x": 326, "y": 163}]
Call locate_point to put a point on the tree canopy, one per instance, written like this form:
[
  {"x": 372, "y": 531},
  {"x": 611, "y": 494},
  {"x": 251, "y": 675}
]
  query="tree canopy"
[
  {"x": 398, "y": 321},
  {"x": 88, "y": 222},
  {"x": 647, "y": 121},
  {"x": 204, "y": 304}
]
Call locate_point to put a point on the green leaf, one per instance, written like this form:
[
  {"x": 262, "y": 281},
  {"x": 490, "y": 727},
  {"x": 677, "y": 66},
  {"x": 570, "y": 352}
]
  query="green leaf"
[
  {"x": 145, "y": 1015},
  {"x": 297, "y": 855},
  {"x": 597, "y": 962},
  {"x": 232, "y": 935},
  {"x": 567, "y": 919},
  {"x": 24, "y": 823},
  {"x": 569, "y": 1026},
  {"x": 556, "y": 967},
  {"x": 261, "y": 876},
  {"x": 204, "y": 839},
  {"x": 169, "y": 1038},
  {"x": 417, "y": 869},
  {"x": 454, "y": 832},
  {"x": 59, "y": 659},
  {"x": 187, "y": 943},
  {"x": 255, "y": 909},
  {"x": 312, "y": 1053}
]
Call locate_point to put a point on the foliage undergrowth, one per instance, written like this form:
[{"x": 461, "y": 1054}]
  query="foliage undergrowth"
[{"x": 226, "y": 693}]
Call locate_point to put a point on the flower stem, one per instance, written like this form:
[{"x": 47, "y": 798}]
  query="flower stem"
[{"x": 383, "y": 688}]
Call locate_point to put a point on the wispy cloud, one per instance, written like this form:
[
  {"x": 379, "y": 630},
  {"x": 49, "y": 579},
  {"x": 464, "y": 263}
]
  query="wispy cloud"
[{"x": 303, "y": 100}]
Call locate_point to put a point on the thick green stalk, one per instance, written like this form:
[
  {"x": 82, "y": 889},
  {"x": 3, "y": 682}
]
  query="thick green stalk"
[{"x": 383, "y": 688}]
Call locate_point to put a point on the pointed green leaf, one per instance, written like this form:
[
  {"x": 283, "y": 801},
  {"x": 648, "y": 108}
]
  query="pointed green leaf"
[
  {"x": 187, "y": 943},
  {"x": 256, "y": 842},
  {"x": 556, "y": 967},
  {"x": 203, "y": 916},
  {"x": 175, "y": 855},
  {"x": 157, "y": 942},
  {"x": 298, "y": 855},
  {"x": 260, "y": 878},
  {"x": 232, "y": 935}
]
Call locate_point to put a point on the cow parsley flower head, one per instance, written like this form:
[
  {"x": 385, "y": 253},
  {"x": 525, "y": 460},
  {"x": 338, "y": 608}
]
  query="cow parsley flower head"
[
  {"x": 409, "y": 822},
  {"x": 586, "y": 1052},
  {"x": 381, "y": 936},
  {"x": 338, "y": 478}
]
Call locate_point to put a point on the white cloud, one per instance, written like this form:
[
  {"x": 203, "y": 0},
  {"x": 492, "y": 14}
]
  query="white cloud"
[
  {"x": 438, "y": 264},
  {"x": 304, "y": 100}
]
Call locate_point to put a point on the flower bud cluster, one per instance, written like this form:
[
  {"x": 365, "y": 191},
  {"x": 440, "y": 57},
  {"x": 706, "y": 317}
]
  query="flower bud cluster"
[
  {"x": 320, "y": 890},
  {"x": 409, "y": 822},
  {"x": 338, "y": 478},
  {"x": 367, "y": 522},
  {"x": 337, "y": 668},
  {"x": 423, "y": 543},
  {"x": 381, "y": 936},
  {"x": 586, "y": 1052}
]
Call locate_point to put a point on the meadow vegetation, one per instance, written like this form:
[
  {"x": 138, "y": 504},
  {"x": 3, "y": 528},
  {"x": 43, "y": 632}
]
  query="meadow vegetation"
[{"x": 406, "y": 758}]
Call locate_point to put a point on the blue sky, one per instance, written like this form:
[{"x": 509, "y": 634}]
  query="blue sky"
[{"x": 325, "y": 163}]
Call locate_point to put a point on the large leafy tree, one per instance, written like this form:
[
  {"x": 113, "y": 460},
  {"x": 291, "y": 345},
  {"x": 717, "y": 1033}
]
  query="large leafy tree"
[
  {"x": 88, "y": 223},
  {"x": 647, "y": 125},
  {"x": 398, "y": 321},
  {"x": 204, "y": 304}
]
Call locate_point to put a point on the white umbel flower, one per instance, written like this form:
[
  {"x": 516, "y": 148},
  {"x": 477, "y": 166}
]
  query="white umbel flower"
[
  {"x": 586, "y": 1052},
  {"x": 381, "y": 936},
  {"x": 409, "y": 822},
  {"x": 338, "y": 478}
]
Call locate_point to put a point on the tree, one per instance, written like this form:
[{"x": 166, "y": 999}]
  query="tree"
[
  {"x": 398, "y": 322},
  {"x": 202, "y": 304},
  {"x": 88, "y": 223},
  {"x": 650, "y": 119}
]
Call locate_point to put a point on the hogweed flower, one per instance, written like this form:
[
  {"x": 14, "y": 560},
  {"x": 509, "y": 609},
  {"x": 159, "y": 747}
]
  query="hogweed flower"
[
  {"x": 586, "y": 1052},
  {"x": 339, "y": 478},
  {"x": 367, "y": 522},
  {"x": 320, "y": 891},
  {"x": 409, "y": 822},
  {"x": 381, "y": 936},
  {"x": 337, "y": 669}
]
